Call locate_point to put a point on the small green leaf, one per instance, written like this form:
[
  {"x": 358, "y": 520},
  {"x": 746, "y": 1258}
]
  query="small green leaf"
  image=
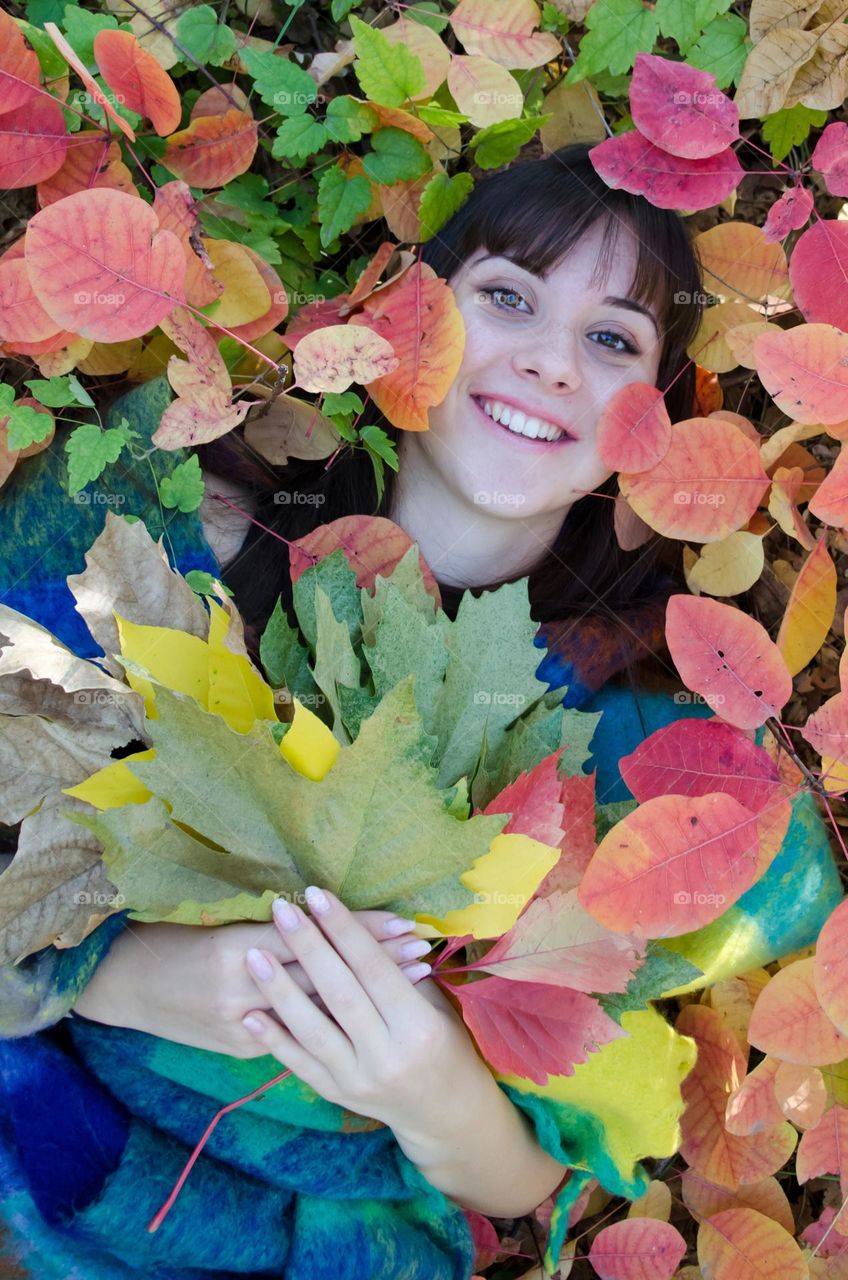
[
  {"x": 376, "y": 440},
  {"x": 388, "y": 73},
  {"x": 440, "y": 199},
  {"x": 685, "y": 20},
  {"x": 340, "y": 201},
  {"x": 56, "y": 393},
  {"x": 280, "y": 83},
  {"x": 617, "y": 31},
  {"x": 722, "y": 49},
  {"x": 346, "y": 120},
  {"x": 203, "y": 583},
  {"x": 397, "y": 157},
  {"x": 283, "y": 657},
  {"x": 204, "y": 37},
  {"x": 81, "y": 26},
  {"x": 90, "y": 450},
  {"x": 184, "y": 487},
  {"x": 789, "y": 127},
  {"x": 499, "y": 144},
  {"x": 341, "y": 402},
  {"x": 339, "y": 9},
  {"x": 299, "y": 138},
  {"x": 27, "y": 426}
]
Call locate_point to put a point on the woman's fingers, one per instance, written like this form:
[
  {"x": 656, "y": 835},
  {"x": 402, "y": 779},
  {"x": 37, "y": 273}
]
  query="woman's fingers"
[{"x": 315, "y": 1033}]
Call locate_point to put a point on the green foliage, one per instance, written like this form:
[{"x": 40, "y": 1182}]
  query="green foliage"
[
  {"x": 204, "y": 37},
  {"x": 91, "y": 448},
  {"x": 789, "y": 128},
  {"x": 24, "y": 425},
  {"x": 616, "y": 31},
  {"x": 396, "y": 157},
  {"x": 387, "y": 73},
  {"x": 184, "y": 487}
]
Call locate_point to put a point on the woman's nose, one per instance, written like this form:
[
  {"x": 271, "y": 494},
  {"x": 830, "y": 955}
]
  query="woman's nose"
[{"x": 552, "y": 358}]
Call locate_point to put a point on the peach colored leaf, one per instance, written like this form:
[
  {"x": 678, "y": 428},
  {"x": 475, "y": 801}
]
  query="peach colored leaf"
[
  {"x": 740, "y": 1243},
  {"x": 631, "y": 531},
  {"x": 806, "y": 371},
  {"x": 692, "y": 757},
  {"x": 818, "y": 270},
  {"x": 830, "y": 501},
  {"x": 826, "y": 730},
  {"x": 371, "y": 545},
  {"x": 653, "y": 1203},
  {"x": 331, "y": 359},
  {"x": 703, "y": 1198},
  {"x": 555, "y": 941},
  {"x": 789, "y": 213},
  {"x": 19, "y": 67},
  {"x": 789, "y": 1022},
  {"x": 782, "y": 503},
  {"x": 192, "y": 422},
  {"x": 824, "y": 1148},
  {"x": 90, "y": 83},
  {"x": 138, "y": 79},
  {"x": 532, "y": 1029},
  {"x": 127, "y": 280},
  {"x": 738, "y": 262},
  {"x": 277, "y": 310},
  {"x": 801, "y": 1094},
  {"x": 727, "y": 657},
  {"x": 830, "y": 966},
  {"x": 176, "y": 209},
  {"x": 93, "y": 159},
  {"x": 316, "y": 315},
  {"x": 637, "y": 1249},
  {"x": 680, "y": 109},
  {"x": 503, "y": 30},
  {"x": 220, "y": 99},
  {"x": 634, "y": 429},
  {"x": 753, "y": 1107},
  {"x": 810, "y": 610},
  {"x": 203, "y": 410},
  {"x": 425, "y": 44},
  {"x": 22, "y": 317},
  {"x": 33, "y": 142},
  {"x": 630, "y": 161},
  {"x": 483, "y": 90},
  {"x": 213, "y": 150},
  {"x": 830, "y": 157},
  {"x": 707, "y": 485},
  {"x": 674, "y": 864},
  {"x": 418, "y": 314}
]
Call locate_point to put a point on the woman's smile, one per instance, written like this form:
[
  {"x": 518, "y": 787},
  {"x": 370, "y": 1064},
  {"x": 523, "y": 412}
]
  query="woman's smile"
[{"x": 517, "y": 437}]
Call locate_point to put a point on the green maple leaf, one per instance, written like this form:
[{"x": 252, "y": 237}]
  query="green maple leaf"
[
  {"x": 90, "y": 449},
  {"x": 388, "y": 73},
  {"x": 617, "y": 31},
  {"x": 280, "y": 83},
  {"x": 184, "y": 487}
]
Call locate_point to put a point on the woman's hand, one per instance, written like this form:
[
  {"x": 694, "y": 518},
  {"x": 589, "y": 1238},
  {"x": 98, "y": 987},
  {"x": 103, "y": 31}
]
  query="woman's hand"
[
  {"x": 189, "y": 983},
  {"x": 383, "y": 1048}
]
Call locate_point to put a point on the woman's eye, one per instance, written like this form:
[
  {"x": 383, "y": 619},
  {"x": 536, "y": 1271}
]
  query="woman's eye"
[
  {"x": 628, "y": 346},
  {"x": 507, "y": 292}
]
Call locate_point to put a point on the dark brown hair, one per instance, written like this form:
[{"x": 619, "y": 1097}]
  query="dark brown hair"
[{"x": 535, "y": 210}]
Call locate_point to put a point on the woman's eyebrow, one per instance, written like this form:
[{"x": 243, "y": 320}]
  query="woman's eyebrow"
[{"x": 629, "y": 304}]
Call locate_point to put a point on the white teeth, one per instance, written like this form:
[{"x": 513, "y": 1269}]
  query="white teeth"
[{"x": 522, "y": 425}]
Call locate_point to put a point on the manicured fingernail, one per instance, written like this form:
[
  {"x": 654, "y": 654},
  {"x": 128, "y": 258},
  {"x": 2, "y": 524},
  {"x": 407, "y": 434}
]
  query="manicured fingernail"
[
  {"x": 254, "y": 1025},
  {"x": 398, "y": 925},
  {"x": 411, "y": 950},
  {"x": 285, "y": 914},
  {"x": 317, "y": 899},
  {"x": 416, "y": 971},
  {"x": 258, "y": 965}
]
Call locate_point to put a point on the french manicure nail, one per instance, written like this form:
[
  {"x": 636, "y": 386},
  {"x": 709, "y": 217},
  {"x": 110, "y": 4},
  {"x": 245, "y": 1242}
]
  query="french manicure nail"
[
  {"x": 398, "y": 925},
  {"x": 411, "y": 950},
  {"x": 258, "y": 965},
  {"x": 416, "y": 971},
  {"x": 317, "y": 899},
  {"x": 285, "y": 914}
]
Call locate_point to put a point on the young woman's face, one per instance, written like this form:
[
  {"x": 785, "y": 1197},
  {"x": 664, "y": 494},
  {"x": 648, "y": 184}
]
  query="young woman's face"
[{"x": 557, "y": 348}]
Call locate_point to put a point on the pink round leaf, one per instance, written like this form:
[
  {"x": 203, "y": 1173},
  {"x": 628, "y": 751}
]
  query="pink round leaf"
[{"x": 681, "y": 109}]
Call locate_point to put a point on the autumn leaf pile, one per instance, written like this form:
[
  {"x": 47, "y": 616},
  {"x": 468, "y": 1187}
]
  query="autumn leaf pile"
[{"x": 241, "y": 211}]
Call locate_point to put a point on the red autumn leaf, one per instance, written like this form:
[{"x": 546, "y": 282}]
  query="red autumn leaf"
[
  {"x": 818, "y": 270},
  {"x": 691, "y": 757},
  {"x": 789, "y": 1023},
  {"x": 577, "y": 845},
  {"x": 788, "y": 213},
  {"x": 487, "y": 1245},
  {"x": 22, "y": 317},
  {"x": 554, "y": 941},
  {"x": 727, "y": 657},
  {"x": 830, "y": 157},
  {"x": 533, "y": 801},
  {"x": 707, "y": 485},
  {"x": 824, "y": 1149},
  {"x": 19, "y": 68},
  {"x": 130, "y": 276},
  {"x": 417, "y": 314},
  {"x": 533, "y": 1030},
  {"x": 90, "y": 83},
  {"x": 830, "y": 966},
  {"x": 176, "y": 209},
  {"x": 637, "y": 1249},
  {"x": 33, "y": 142},
  {"x": 723, "y": 1158},
  {"x": 806, "y": 369},
  {"x": 371, "y": 545},
  {"x": 740, "y": 1243},
  {"x": 93, "y": 159},
  {"x": 137, "y": 79},
  {"x": 315, "y": 315},
  {"x": 680, "y": 109},
  {"x": 631, "y": 161},
  {"x": 634, "y": 429},
  {"x": 213, "y": 150},
  {"x": 703, "y": 1198},
  {"x": 675, "y": 863}
]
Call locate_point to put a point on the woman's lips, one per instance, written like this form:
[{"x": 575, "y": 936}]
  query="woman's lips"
[{"x": 513, "y": 435}]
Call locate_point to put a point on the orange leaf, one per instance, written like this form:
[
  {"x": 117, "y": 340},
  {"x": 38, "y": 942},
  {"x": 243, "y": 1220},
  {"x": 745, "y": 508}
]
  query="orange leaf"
[
  {"x": 727, "y": 657},
  {"x": 130, "y": 276},
  {"x": 634, "y": 430},
  {"x": 810, "y": 611},
  {"x": 138, "y": 79},
  {"x": 371, "y": 544},
  {"x": 742, "y": 1242},
  {"x": 801, "y": 1093},
  {"x": 824, "y": 1149},
  {"x": 637, "y": 1249},
  {"x": 22, "y": 317},
  {"x": 806, "y": 371},
  {"x": 93, "y": 159},
  {"x": 176, "y": 210},
  {"x": 707, "y": 485},
  {"x": 703, "y": 1198},
  {"x": 33, "y": 142},
  {"x": 213, "y": 150},
  {"x": 753, "y": 1107},
  {"x": 251, "y": 330},
  {"x": 789, "y": 1022},
  {"x": 419, "y": 316},
  {"x": 19, "y": 67},
  {"x": 830, "y": 967},
  {"x": 90, "y": 84},
  {"x": 503, "y": 31},
  {"x": 830, "y": 502}
]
